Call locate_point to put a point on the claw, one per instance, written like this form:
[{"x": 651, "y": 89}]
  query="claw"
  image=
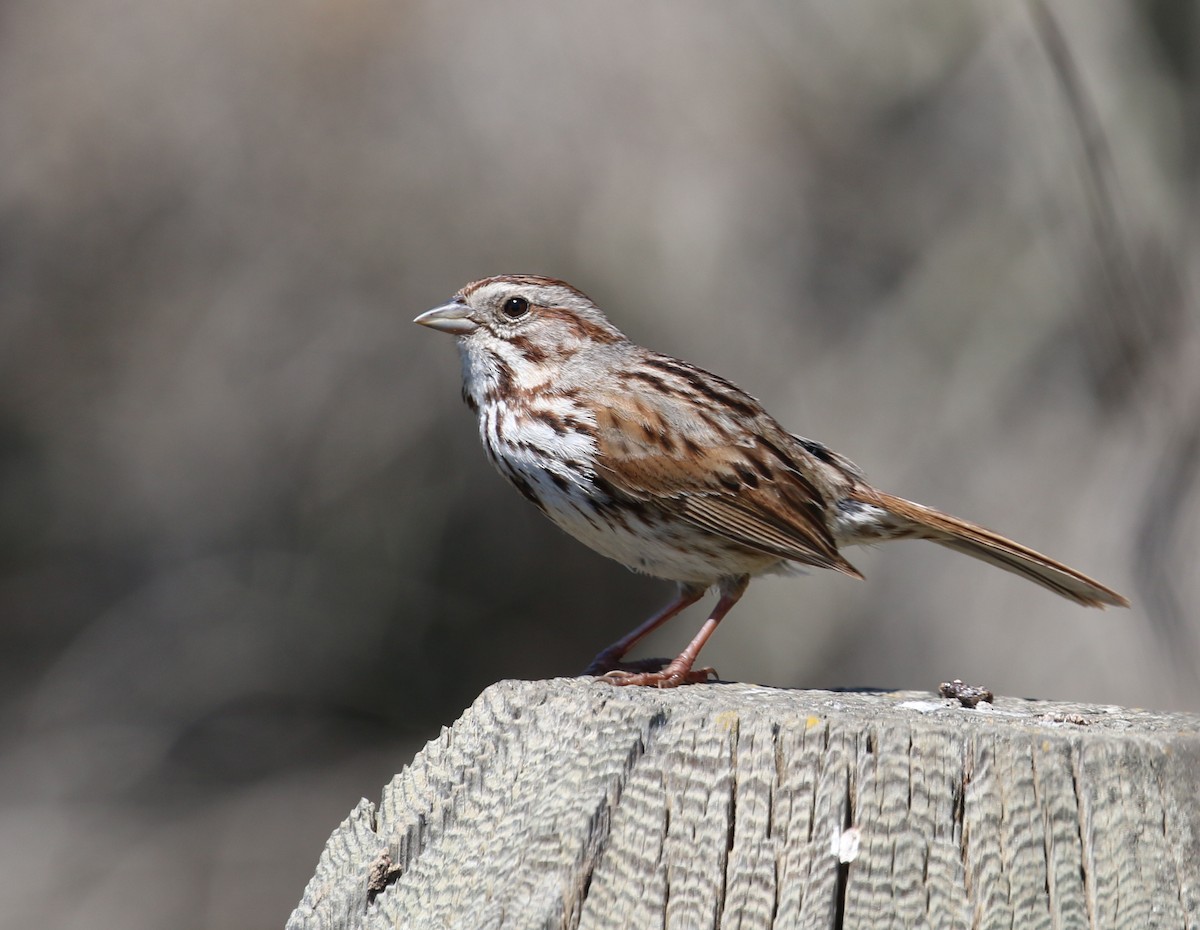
[{"x": 672, "y": 676}]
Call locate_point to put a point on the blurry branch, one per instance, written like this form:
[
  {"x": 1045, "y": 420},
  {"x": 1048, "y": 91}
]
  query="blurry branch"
[
  {"x": 1122, "y": 330},
  {"x": 1124, "y": 334}
]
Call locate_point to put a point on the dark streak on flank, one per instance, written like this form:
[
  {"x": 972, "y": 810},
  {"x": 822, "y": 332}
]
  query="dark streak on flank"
[
  {"x": 615, "y": 506},
  {"x": 469, "y": 400},
  {"x": 616, "y": 515},
  {"x": 587, "y": 510},
  {"x": 560, "y": 482},
  {"x": 613, "y": 512},
  {"x": 524, "y": 487}
]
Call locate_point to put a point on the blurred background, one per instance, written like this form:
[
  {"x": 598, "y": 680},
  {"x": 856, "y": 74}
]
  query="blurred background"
[{"x": 251, "y": 555}]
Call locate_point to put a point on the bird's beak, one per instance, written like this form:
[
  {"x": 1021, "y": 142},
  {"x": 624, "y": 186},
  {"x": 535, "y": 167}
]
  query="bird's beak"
[{"x": 453, "y": 318}]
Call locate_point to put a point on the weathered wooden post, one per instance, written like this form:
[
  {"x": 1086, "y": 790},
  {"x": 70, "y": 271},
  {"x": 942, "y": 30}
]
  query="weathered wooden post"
[{"x": 571, "y": 803}]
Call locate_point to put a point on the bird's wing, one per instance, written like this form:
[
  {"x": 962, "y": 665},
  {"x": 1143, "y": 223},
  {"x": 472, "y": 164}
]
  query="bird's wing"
[{"x": 698, "y": 447}]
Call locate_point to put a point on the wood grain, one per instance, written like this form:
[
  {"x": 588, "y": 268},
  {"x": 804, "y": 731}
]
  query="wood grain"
[{"x": 573, "y": 804}]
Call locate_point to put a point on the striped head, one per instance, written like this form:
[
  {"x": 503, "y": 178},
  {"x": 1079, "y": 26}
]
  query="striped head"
[{"x": 516, "y": 332}]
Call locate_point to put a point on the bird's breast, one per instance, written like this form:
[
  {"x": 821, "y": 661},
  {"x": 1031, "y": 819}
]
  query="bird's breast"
[{"x": 547, "y": 448}]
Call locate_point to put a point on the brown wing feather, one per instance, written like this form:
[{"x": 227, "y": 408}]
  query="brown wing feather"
[
  {"x": 742, "y": 486},
  {"x": 729, "y": 518}
]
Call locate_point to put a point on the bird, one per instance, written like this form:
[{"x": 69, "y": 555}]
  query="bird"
[{"x": 674, "y": 471}]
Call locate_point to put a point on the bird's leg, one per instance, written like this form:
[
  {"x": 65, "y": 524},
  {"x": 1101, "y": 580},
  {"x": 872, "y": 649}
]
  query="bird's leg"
[
  {"x": 679, "y": 670},
  {"x": 609, "y": 658}
]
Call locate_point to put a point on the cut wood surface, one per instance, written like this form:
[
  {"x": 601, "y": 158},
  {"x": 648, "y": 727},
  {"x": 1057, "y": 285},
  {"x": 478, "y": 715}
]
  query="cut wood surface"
[{"x": 571, "y": 803}]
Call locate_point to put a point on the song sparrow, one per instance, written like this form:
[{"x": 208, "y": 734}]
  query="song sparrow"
[{"x": 674, "y": 471}]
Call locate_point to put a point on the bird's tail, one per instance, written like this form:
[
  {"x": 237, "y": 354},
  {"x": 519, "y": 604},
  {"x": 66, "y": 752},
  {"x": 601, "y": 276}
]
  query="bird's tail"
[{"x": 915, "y": 520}]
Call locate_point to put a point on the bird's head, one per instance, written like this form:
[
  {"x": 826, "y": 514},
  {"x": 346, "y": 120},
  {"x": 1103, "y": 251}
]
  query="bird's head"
[{"x": 519, "y": 329}]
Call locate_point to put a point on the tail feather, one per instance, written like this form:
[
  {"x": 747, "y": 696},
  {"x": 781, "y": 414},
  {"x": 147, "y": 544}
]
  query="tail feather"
[{"x": 970, "y": 539}]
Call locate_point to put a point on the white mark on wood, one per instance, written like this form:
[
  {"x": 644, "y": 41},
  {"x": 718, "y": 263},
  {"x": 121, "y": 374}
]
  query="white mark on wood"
[{"x": 845, "y": 844}]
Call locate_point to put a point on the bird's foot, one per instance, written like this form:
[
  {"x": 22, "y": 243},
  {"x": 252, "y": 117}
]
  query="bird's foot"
[{"x": 671, "y": 675}]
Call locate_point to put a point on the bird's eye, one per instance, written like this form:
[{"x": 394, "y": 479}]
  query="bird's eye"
[{"x": 515, "y": 307}]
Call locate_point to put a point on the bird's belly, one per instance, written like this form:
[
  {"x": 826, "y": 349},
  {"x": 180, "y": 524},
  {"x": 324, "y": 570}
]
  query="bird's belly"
[
  {"x": 655, "y": 544},
  {"x": 551, "y": 468}
]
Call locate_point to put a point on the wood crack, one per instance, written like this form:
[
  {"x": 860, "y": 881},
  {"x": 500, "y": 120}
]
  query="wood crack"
[
  {"x": 600, "y": 825},
  {"x": 843, "y": 868},
  {"x": 1087, "y": 874}
]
